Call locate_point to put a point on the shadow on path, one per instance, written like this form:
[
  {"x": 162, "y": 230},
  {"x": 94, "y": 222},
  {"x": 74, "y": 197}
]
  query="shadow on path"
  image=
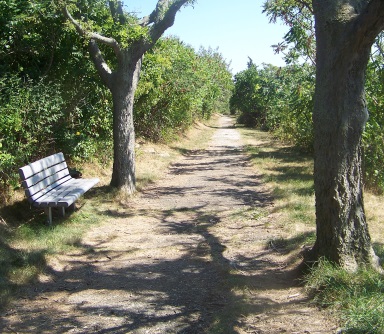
[{"x": 183, "y": 259}]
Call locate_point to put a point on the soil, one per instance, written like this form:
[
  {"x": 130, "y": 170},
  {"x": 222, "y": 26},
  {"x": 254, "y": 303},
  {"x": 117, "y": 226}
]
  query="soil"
[{"x": 187, "y": 255}]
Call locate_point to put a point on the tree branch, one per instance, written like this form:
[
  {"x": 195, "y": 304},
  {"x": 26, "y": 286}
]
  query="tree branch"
[
  {"x": 369, "y": 23},
  {"x": 117, "y": 12},
  {"x": 145, "y": 21},
  {"x": 97, "y": 37},
  {"x": 100, "y": 64},
  {"x": 163, "y": 17},
  {"x": 307, "y": 5},
  {"x": 151, "y": 18}
]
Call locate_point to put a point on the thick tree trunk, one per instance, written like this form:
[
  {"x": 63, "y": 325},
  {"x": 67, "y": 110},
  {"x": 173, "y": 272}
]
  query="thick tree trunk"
[
  {"x": 340, "y": 115},
  {"x": 123, "y": 89}
]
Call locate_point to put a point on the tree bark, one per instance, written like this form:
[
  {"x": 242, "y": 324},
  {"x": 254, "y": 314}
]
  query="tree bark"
[
  {"x": 345, "y": 31},
  {"x": 123, "y": 81},
  {"x": 123, "y": 88}
]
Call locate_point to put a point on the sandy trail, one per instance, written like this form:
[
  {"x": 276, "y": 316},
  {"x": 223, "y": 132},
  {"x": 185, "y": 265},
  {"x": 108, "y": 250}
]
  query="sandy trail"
[{"x": 187, "y": 256}]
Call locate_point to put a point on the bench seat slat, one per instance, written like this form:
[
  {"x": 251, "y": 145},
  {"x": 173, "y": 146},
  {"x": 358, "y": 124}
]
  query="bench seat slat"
[
  {"x": 36, "y": 194},
  {"x": 40, "y": 165},
  {"x": 49, "y": 183},
  {"x": 67, "y": 193}
]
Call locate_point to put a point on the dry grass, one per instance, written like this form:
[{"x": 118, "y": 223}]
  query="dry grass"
[
  {"x": 356, "y": 299},
  {"x": 375, "y": 216},
  {"x": 153, "y": 160},
  {"x": 26, "y": 243},
  {"x": 289, "y": 174}
]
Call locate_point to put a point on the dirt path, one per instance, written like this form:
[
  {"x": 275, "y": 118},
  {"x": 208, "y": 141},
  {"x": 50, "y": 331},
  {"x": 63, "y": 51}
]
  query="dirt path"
[{"x": 187, "y": 256}]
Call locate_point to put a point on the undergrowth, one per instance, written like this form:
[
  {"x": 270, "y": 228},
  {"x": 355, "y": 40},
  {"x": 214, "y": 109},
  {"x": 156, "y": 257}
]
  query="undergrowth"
[{"x": 356, "y": 298}]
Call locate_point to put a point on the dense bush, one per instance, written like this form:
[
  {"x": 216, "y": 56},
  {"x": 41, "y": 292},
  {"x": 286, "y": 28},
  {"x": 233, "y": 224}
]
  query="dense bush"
[
  {"x": 51, "y": 98},
  {"x": 281, "y": 100},
  {"x": 251, "y": 95},
  {"x": 30, "y": 114},
  {"x": 177, "y": 86},
  {"x": 277, "y": 99}
]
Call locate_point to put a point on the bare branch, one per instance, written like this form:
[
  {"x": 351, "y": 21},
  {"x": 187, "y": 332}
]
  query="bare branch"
[
  {"x": 163, "y": 17},
  {"x": 100, "y": 64},
  {"x": 97, "y": 58},
  {"x": 145, "y": 21}
]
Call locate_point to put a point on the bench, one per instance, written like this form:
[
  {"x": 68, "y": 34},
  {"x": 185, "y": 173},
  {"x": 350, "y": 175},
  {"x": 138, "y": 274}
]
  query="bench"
[{"x": 48, "y": 184}]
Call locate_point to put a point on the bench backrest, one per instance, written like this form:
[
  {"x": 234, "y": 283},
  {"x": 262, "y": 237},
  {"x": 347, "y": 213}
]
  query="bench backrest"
[{"x": 40, "y": 177}]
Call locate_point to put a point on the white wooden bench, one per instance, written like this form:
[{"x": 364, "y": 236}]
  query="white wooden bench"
[{"x": 48, "y": 184}]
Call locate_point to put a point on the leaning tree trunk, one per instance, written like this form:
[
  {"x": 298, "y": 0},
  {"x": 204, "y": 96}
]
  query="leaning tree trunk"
[
  {"x": 123, "y": 82},
  {"x": 340, "y": 115},
  {"x": 123, "y": 89}
]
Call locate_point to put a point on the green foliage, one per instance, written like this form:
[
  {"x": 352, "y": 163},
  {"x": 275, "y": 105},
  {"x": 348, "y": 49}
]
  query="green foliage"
[
  {"x": 250, "y": 96},
  {"x": 95, "y": 16},
  {"x": 300, "y": 41},
  {"x": 178, "y": 86},
  {"x": 358, "y": 298},
  {"x": 288, "y": 110},
  {"x": 35, "y": 122},
  {"x": 373, "y": 139},
  {"x": 277, "y": 99},
  {"x": 52, "y": 99},
  {"x": 29, "y": 112},
  {"x": 49, "y": 90},
  {"x": 291, "y": 117}
]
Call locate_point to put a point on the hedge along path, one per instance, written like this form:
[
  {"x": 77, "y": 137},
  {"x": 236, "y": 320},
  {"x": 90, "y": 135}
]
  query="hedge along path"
[{"x": 187, "y": 255}]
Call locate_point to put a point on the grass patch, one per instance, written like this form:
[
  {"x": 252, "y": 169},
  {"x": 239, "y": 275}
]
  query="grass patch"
[
  {"x": 289, "y": 175},
  {"x": 26, "y": 242},
  {"x": 251, "y": 213},
  {"x": 287, "y": 245},
  {"x": 26, "y": 246},
  {"x": 357, "y": 298}
]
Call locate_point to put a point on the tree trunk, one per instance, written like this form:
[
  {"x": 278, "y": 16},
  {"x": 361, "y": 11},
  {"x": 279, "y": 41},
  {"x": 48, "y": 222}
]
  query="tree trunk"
[
  {"x": 123, "y": 82},
  {"x": 124, "y": 85},
  {"x": 340, "y": 115}
]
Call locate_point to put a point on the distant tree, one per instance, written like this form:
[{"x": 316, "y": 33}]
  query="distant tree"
[
  {"x": 133, "y": 37},
  {"x": 345, "y": 32}
]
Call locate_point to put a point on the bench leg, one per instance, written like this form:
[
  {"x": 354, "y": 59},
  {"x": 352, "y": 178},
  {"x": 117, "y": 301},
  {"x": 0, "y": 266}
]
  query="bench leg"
[
  {"x": 62, "y": 211},
  {"x": 72, "y": 207},
  {"x": 48, "y": 212}
]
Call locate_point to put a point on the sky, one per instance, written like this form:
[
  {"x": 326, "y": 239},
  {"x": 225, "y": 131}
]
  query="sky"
[{"x": 237, "y": 28}]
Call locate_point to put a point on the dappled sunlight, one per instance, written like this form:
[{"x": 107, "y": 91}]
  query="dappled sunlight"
[{"x": 186, "y": 255}]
